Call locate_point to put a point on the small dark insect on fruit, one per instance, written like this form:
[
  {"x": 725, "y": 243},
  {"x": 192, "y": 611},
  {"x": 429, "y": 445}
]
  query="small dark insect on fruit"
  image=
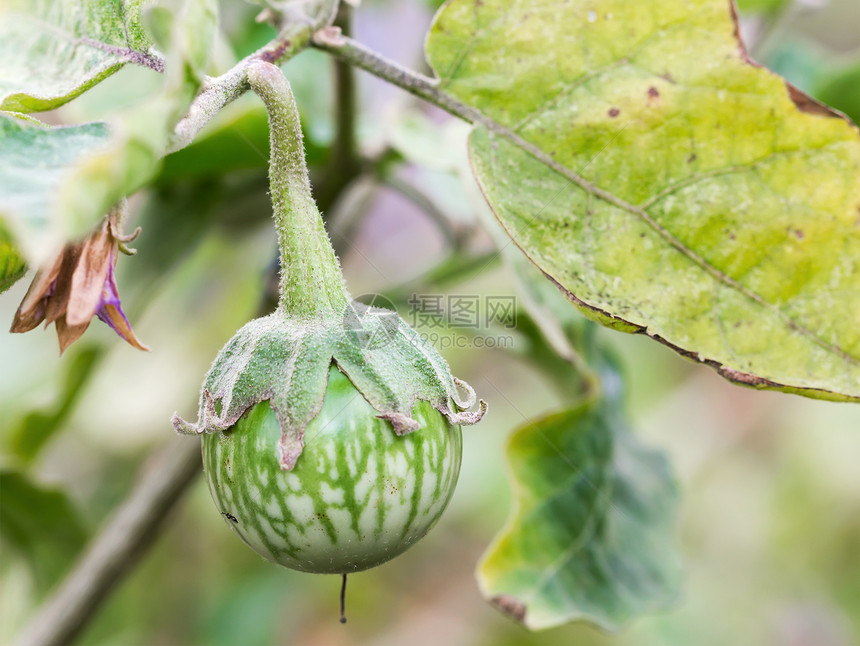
[{"x": 230, "y": 517}]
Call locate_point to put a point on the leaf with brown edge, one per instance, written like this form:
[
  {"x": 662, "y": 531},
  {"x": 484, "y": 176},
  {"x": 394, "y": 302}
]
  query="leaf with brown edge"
[{"x": 667, "y": 184}]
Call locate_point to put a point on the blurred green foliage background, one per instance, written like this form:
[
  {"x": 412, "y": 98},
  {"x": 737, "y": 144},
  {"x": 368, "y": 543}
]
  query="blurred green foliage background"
[{"x": 770, "y": 522}]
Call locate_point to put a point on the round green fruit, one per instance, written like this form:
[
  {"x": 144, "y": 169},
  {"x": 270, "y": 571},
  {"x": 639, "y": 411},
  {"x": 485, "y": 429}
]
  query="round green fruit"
[{"x": 358, "y": 495}]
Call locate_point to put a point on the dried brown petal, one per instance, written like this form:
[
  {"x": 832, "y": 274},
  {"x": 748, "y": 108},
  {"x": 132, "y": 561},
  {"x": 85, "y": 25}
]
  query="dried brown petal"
[
  {"x": 31, "y": 312},
  {"x": 68, "y": 334},
  {"x": 58, "y": 300},
  {"x": 79, "y": 285},
  {"x": 113, "y": 316},
  {"x": 89, "y": 277}
]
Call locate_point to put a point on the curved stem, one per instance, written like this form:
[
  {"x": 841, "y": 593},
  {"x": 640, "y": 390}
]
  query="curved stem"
[
  {"x": 221, "y": 90},
  {"x": 311, "y": 280}
]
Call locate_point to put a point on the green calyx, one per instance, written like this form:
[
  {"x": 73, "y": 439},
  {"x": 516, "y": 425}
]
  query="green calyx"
[
  {"x": 284, "y": 358},
  {"x": 286, "y": 362}
]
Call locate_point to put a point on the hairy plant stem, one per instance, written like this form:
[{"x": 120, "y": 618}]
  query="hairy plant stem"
[
  {"x": 332, "y": 40},
  {"x": 311, "y": 280},
  {"x": 293, "y": 37}
]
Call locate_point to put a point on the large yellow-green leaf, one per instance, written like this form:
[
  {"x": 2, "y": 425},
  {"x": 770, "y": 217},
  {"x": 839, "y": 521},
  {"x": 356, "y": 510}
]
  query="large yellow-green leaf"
[
  {"x": 53, "y": 50},
  {"x": 666, "y": 184}
]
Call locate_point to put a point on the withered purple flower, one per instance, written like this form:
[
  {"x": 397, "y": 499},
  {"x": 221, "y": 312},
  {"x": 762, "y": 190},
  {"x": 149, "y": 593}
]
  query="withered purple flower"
[{"x": 79, "y": 285}]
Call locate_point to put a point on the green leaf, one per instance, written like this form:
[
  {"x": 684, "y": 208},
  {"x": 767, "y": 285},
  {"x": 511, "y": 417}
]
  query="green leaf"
[
  {"x": 12, "y": 265},
  {"x": 141, "y": 136},
  {"x": 591, "y": 534},
  {"x": 842, "y": 90},
  {"x": 37, "y": 427},
  {"x": 237, "y": 139},
  {"x": 35, "y": 163},
  {"x": 41, "y": 524},
  {"x": 761, "y": 6},
  {"x": 57, "y": 183},
  {"x": 53, "y": 50},
  {"x": 664, "y": 183}
]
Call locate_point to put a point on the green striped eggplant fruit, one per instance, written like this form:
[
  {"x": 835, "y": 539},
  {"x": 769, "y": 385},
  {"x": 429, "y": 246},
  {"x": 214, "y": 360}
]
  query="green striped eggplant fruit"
[{"x": 358, "y": 494}]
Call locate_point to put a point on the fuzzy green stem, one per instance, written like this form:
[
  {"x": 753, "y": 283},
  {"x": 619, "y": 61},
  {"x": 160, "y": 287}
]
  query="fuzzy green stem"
[{"x": 311, "y": 280}]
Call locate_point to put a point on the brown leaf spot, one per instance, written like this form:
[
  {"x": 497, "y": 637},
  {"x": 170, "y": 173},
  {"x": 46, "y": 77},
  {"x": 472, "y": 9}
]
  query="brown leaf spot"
[
  {"x": 614, "y": 112},
  {"x": 653, "y": 92},
  {"x": 511, "y": 606}
]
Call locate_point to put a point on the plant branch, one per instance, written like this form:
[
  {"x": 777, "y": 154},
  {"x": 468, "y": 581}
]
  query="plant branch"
[
  {"x": 344, "y": 163},
  {"x": 332, "y": 40},
  {"x": 428, "y": 207},
  {"x": 115, "y": 550},
  {"x": 221, "y": 90}
]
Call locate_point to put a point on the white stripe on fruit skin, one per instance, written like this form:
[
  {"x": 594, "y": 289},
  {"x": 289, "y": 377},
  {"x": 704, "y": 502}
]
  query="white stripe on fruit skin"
[
  {"x": 273, "y": 510},
  {"x": 429, "y": 487},
  {"x": 301, "y": 506},
  {"x": 342, "y": 521},
  {"x": 294, "y": 534},
  {"x": 350, "y": 460},
  {"x": 288, "y": 483},
  {"x": 367, "y": 480},
  {"x": 330, "y": 495},
  {"x": 396, "y": 465},
  {"x": 367, "y": 519}
]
